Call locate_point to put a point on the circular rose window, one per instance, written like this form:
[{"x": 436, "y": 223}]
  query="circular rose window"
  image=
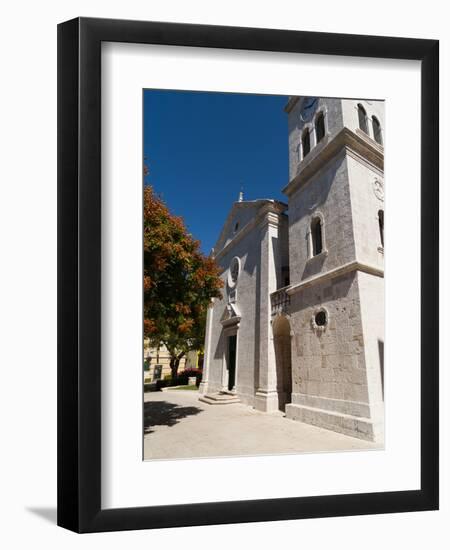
[{"x": 233, "y": 273}]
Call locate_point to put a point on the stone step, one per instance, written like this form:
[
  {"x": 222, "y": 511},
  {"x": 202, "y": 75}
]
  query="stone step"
[{"x": 220, "y": 398}]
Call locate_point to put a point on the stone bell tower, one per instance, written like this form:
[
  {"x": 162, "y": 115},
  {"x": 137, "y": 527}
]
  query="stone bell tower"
[{"x": 336, "y": 252}]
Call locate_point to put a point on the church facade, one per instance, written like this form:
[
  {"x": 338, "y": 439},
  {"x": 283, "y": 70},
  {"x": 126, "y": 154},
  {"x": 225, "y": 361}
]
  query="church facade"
[{"x": 300, "y": 326}]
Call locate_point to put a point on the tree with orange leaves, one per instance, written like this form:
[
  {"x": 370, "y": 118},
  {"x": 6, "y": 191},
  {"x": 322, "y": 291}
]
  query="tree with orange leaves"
[{"x": 179, "y": 282}]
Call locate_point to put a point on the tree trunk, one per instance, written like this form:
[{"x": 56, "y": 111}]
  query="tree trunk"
[{"x": 174, "y": 362}]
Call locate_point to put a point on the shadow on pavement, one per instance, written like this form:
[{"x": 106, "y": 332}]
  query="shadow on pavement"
[{"x": 163, "y": 413}]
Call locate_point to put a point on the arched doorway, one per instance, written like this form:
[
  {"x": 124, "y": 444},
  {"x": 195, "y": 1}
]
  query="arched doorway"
[{"x": 282, "y": 344}]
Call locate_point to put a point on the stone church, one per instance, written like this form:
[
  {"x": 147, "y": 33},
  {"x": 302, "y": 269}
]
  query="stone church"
[{"x": 300, "y": 327}]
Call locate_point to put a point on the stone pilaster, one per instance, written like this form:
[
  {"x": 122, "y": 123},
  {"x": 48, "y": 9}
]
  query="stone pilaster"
[
  {"x": 203, "y": 388},
  {"x": 266, "y": 397}
]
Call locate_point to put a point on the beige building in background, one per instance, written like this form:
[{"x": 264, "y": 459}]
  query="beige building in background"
[
  {"x": 300, "y": 327},
  {"x": 157, "y": 362}
]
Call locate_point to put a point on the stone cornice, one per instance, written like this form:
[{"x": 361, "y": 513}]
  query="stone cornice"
[
  {"x": 269, "y": 213},
  {"x": 269, "y": 218},
  {"x": 365, "y": 137},
  {"x": 291, "y": 102},
  {"x": 338, "y": 271},
  {"x": 256, "y": 204},
  {"x": 345, "y": 140},
  {"x": 233, "y": 321}
]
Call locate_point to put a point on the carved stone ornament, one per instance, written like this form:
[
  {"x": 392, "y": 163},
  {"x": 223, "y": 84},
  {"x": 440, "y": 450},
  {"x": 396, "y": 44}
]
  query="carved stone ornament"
[
  {"x": 378, "y": 189},
  {"x": 233, "y": 272}
]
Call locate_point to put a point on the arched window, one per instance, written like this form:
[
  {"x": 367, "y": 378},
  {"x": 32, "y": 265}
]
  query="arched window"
[
  {"x": 316, "y": 236},
  {"x": 285, "y": 275},
  {"x": 381, "y": 225},
  {"x": 362, "y": 119},
  {"x": 298, "y": 151},
  {"x": 306, "y": 143},
  {"x": 320, "y": 127},
  {"x": 376, "y": 130}
]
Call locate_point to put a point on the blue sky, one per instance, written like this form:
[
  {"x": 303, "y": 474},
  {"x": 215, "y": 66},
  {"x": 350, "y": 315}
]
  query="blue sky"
[{"x": 201, "y": 147}]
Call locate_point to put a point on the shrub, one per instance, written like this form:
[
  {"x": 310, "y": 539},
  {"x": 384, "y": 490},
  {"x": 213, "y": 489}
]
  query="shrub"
[
  {"x": 183, "y": 377},
  {"x": 151, "y": 386},
  {"x": 162, "y": 384}
]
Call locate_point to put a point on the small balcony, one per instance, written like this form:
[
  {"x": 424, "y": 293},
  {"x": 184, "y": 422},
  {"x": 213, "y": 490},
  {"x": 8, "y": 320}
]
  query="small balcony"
[{"x": 280, "y": 301}]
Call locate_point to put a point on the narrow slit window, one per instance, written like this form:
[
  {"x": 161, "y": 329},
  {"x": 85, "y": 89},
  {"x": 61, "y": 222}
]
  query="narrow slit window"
[
  {"x": 376, "y": 130},
  {"x": 320, "y": 127},
  {"x": 381, "y": 226},
  {"x": 362, "y": 119},
  {"x": 306, "y": 143},
  {"x": 316, "y": 233}
]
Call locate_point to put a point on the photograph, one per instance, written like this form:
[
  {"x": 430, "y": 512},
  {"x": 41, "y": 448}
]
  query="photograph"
[
  {"x": 263, "y": 274},
  {"x": 229, "y": 350}
]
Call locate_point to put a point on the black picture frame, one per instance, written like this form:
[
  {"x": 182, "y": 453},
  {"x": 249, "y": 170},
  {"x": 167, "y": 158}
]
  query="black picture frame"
[{"x": 79, "y": 274}]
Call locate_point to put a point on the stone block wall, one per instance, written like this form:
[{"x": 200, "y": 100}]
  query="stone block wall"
[
  {"x": 371, "y": 290},
  {"x": 350, "y": 113},
  {"x": 328, "y": 195},
  {"x": 366, "y": 186},
  {"x": 333, "y": 382},
  {"x": 297, "y": 122},
  {"x": 329, "y": 362}
]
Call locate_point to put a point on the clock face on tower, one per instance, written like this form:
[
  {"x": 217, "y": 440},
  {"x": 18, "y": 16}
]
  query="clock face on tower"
[{"x": 308, "y": 107}]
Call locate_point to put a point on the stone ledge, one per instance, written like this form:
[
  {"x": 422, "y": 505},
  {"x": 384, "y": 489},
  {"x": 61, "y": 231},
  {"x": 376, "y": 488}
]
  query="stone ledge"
[
  {"x": 340, "y": 406},
  {"x": 317, "y": 257},
  {"x": 344, "y": 140},
  {"x": 337, "y": 422},
  {"x": 342, "y": 270},
  {"x": 293, "y": 99}
]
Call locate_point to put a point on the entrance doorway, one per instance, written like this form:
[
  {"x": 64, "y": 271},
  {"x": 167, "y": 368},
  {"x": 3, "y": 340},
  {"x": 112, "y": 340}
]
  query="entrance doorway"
[
  {"x": 231, "y": 362},
  {"x": 282, "y": 343}
]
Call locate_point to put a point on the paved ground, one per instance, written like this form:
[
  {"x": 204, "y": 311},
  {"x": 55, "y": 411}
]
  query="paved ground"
[{"x": 178, "y": 425}]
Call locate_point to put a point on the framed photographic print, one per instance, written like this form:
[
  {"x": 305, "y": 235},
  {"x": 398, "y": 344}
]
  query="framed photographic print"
[{"x": 248, "y": 275}]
